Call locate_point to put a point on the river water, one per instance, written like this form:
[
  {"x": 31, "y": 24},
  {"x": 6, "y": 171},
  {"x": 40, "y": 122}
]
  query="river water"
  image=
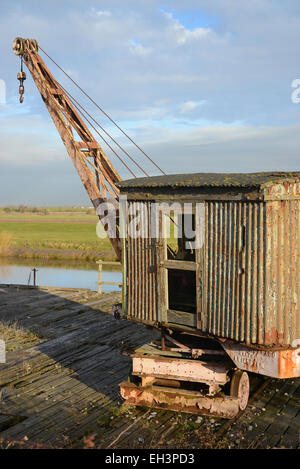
[{"x": 74, "y": 275}]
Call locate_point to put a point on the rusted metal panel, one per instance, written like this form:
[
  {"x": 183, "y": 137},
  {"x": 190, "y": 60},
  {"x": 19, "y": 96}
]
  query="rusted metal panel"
[
  {"x": 141, "y": 266},
  {"x": 282, "y": 308},
  {"x": 252, "y": 271},
  {"x": 181, "y": 369},
  {"x": 234, "y": 259},
  {"x": 179, "y": 400},
  {"x": 250, "y": 288},
  {"x": 287, "y": 190},
  {"x": 274, "y": 363}
]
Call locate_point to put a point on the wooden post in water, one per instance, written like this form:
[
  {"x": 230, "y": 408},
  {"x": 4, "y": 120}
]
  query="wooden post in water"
[
  {"x": 100, "y": 263},
  {"x": 100, "y": 282},
  {"x": 34, "y": 276}
]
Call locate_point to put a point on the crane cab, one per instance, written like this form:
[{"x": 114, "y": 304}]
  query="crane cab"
[{"x": 218, "y": 256}]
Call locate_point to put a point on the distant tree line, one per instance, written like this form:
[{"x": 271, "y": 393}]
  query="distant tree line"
[
  {"x": 45, "y": 211},
  {"x": 25, "y": 209}
]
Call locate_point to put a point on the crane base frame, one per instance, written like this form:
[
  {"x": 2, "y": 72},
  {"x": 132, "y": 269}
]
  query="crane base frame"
[
  {"x": 179, "y": 400},
  {"x": 181, "y": 384}
]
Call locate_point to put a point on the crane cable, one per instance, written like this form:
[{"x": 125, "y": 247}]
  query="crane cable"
[
  {"x": 93, "y": 127},
  {"x": 97, "y": 123},
  {"x": 76, "y": 84}
]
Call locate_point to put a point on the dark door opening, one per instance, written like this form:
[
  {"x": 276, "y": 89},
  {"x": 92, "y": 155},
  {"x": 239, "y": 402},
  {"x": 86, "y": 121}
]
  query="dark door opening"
[{"x": 182, "y": 290}]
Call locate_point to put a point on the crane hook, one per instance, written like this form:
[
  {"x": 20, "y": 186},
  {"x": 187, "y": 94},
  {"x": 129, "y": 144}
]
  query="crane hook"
[{"x": 21, "y": 77}]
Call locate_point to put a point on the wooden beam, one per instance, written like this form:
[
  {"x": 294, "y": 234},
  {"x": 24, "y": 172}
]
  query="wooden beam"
[{"x": 180, "y": 265}]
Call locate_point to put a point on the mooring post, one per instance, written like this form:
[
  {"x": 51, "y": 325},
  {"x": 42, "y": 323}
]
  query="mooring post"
[
  {"x": 100, "y": 264},
  {"x": 34, "y": 276},
  {"x": 100, "y": 283}
]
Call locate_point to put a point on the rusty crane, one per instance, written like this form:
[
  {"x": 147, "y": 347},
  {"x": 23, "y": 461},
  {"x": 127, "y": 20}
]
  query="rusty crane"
[
  {"x": 229, "y": 306},
  {"x": 97, "y": 174}
]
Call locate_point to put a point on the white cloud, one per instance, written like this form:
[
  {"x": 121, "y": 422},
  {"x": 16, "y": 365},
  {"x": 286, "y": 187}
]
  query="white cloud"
[
  {"x": 184, "y": 35},
  {"x": 188, "y": 106},
  {"x": 103, "y": 13},
  {"x": 29, "y": 139},
  {"x": 138, "y": 49},
  {"x": 100, "y": 13}
]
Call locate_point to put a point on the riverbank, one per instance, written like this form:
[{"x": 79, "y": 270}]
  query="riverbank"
[{"x": 52, "y": 234}]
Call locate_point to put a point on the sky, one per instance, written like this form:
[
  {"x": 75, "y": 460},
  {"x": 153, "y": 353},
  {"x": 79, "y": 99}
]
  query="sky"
[{"x": 201, "y": 86}]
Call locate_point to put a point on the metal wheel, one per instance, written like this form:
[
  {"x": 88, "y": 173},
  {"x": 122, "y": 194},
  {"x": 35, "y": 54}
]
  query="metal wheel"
[{"x": 240, "y": 387}]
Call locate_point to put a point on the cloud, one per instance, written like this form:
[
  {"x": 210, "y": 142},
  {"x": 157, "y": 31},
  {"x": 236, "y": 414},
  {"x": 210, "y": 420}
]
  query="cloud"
[
  {"x": 184, "y": 35},
  {"x": 228, "y": 149},
  {"x": 152, "y": 70},
  {"x": 101, "y": 13},
  {"x": 47, "y": 177},
  {"x": 29, "y": 142},
  {"x": 188, "y": 106},
  {"x": 139, "y": 49}
]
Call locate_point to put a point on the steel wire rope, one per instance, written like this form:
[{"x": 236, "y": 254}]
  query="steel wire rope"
[
  {"x": 102, "y": 110},
  {"x": 97, "y": 123}
]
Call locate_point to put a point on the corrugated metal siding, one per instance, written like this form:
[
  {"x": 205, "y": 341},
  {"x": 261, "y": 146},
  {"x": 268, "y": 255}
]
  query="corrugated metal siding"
[
  {"x": 234, "y": 298},
  {"x": 251, "y": 290},
  {"x": 282, "y": 272},
  {"x": 141, "y": 267},
  {"x": 252, "y": 287}
]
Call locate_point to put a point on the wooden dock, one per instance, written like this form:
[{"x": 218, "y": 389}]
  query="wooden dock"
[{"x": 59, "y": 385}]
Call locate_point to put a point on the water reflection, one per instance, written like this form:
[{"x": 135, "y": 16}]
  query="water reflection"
[
  {"x": 75, "y": 276},
  {"x": 5, "y": 272}
]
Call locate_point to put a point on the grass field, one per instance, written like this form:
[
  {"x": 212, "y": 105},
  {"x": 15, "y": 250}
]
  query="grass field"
[{"x": 52, "y": 233}]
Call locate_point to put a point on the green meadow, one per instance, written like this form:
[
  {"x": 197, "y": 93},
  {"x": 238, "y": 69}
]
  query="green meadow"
[{"x": 52, "y": 233}]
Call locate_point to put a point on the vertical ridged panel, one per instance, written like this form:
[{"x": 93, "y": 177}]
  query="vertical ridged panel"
[
  {"x": 235, "y": 252},
  {"x": 141, "y": 267},
  {"x": 252, "y": 264},
  {"x": 282, "y": 313}
]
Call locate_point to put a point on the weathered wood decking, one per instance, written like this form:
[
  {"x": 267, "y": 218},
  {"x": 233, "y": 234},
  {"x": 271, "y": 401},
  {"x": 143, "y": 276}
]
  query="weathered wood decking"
[{"x": 60, "y": 382}]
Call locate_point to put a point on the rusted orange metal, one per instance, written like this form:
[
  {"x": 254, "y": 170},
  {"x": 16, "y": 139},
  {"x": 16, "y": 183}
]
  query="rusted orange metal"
[
  {"x": 273, "y": 363},
  {"x": 282, "y": 307},
  {"x": 179, "y": 400}
]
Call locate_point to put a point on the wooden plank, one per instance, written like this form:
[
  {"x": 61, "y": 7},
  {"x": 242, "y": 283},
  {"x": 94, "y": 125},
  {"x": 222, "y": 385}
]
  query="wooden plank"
[
  {"x": 182, "y": 318},
  {"x": 180, "y": 265},
  {"x": 66, "y": 386}
]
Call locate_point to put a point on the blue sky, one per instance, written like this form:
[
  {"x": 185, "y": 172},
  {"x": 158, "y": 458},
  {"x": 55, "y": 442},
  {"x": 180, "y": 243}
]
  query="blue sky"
[
  {"x": 202, "y": 85},
  {"x": 191, "y": 18}
]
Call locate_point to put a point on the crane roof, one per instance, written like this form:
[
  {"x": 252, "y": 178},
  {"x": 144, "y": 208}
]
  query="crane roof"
[{"x": 245, "y": 180}]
